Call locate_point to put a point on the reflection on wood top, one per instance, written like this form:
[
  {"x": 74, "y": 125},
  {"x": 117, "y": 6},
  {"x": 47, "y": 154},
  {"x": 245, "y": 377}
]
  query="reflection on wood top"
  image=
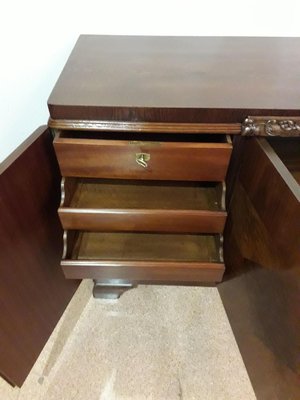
[{"x": 135, "y": 77}]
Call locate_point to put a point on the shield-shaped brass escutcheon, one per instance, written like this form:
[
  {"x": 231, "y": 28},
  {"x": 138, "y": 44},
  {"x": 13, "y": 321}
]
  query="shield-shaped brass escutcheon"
[{"x": 142, "y": 159}]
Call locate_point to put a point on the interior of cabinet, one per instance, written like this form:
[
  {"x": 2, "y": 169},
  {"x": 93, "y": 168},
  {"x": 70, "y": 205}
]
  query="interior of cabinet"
[
  {"x": 288, "y": 149},
  {"x": 128, "y": 194},
  {"x": 146, "y": 246},
  {"x": 149, "y": 137}
]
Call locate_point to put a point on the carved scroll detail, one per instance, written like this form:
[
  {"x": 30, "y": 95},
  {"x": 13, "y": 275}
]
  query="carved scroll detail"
[
  {"x": 249, "y": 128},
  {"x": 223, "y": 197},
  {"x": 289, "y": 127},
  {"x": 221, "y": 251},
  {"x": 65, "y": 242},
  {"x": 63, "y": 192},
  {"x": 271, "y": 126},
  {"x": 69, "y": 239}
]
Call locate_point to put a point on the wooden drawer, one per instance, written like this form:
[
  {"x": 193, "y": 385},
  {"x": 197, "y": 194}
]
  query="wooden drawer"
[
  {"x": 141, "y": 257},
  {"x": 266, "y": 201},
  {"x": 145, "y": 206},
  {"x": 143, "y": 156}
]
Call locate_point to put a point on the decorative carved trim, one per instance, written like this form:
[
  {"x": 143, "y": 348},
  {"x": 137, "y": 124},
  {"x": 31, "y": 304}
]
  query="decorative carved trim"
[
  {"x": 151, "y": 127},
  {"x": 65, "y": 242},
  {"x": 223, "y": 197},
  {"x": 63, "y": 192},
  {"x": 221, "y": 251},
  {"x": 271, "y": 126},
  {"x": 69, "y": 238}
]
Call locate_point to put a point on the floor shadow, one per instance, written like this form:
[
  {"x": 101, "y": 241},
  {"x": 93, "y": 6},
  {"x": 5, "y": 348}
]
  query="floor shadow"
[{"x": 70, "y": 319}]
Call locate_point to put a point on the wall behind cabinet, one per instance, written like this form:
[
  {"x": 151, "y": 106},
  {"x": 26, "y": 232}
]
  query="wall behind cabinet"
[{"x": 36, "y": 38}]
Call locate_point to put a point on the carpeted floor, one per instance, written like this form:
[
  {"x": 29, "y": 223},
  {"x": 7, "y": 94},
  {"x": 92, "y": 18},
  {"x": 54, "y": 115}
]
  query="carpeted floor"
[{"x": 156, "y": 342}]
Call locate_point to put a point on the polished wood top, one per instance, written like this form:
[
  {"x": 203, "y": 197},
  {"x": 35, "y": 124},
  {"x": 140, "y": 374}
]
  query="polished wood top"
[{"x": 187, "y": 79}]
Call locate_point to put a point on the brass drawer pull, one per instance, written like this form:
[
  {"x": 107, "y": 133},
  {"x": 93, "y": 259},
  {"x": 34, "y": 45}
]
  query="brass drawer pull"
[{"x": 142, "y": 159}]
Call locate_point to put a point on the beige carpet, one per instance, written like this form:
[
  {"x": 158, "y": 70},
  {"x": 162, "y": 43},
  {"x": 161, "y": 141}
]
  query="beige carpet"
[{"x": 156, "y": 342}]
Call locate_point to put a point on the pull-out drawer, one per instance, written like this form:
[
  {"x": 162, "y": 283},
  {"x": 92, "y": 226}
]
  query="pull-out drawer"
[
  {"x": 265, "y": 206},
  {"x": 143, "y": 156},
  {"x": 149, "y": 206},
  {"x": 141, "y": 257}
]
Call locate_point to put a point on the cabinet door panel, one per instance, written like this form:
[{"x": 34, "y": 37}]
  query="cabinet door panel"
[
  {"x": 261, "y": 285},
  {"x": 33, "y": 290}
]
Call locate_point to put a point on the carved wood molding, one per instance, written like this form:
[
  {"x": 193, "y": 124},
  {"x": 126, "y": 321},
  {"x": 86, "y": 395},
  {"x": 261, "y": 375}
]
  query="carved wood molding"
[
  {"x": 151, "y": 127},
  {"x": 223, "y": 196},
  {"x": 65, "y": 245},
  {"x": 69, "y": 238},
  {"x": 271, "y": 126},
  {"x": 221, "y": 246},
  {"x": 63, "y": 192}
]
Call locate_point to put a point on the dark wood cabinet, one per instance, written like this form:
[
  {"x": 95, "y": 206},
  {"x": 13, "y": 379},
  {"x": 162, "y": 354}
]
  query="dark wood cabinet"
[
  {"x": 144, "y": 148},
  {"x": 163, "y": 142},
  {"x": 177, "y": 154}
]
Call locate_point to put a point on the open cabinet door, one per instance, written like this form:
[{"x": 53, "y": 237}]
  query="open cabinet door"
[
  {"x": 261, "y": 288},
  {"x": 33, "y": 290}
]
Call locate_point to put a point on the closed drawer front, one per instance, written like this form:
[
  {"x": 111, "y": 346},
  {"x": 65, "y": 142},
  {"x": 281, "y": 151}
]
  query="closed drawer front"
[
  {"x": 86, "y": 156},
  {"x": 155, "y": 206},
  {"x": 141, "y": 257}
]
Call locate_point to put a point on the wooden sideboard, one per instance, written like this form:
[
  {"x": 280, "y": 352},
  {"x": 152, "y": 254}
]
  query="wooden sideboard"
[
  {"x": 180, "y": 164},
  {"x": 180, "y": 160},
  {"x": 143, "y": 132}
]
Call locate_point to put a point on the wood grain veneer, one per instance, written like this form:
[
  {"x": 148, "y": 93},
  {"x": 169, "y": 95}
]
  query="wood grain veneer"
[
  {"x": 141, "y": 257},
  {"x": 289, "y": 152},
  {"x": 117, "y": 159},
  {"x": 33, "y": 290},
  {"x": 153, "y": 127},
  {"x": 177, "y": 79},
  {"x": 145, "y": 246},
  {"x": 155, "y": 206},
  {"x": 275, "y": 195},
  {"x": 102, "y": 193},
  {"x": 261, "y": 286}
]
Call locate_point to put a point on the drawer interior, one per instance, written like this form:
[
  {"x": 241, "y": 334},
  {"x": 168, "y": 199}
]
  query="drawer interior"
[
  {"x": 288, "y": 149},
  {"x": 147, "y": 137},
  {"x": 145, "y": 246},
  {"x": 132, "y": 194}
]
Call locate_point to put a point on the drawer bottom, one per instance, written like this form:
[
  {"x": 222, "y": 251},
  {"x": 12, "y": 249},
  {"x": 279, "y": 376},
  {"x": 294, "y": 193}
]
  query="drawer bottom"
[{"x": 144, "y": 257}]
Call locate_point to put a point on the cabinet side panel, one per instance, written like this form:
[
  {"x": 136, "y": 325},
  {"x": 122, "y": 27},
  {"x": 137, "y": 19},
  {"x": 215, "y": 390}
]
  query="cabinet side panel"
[{"x": 33, "y": 290}]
